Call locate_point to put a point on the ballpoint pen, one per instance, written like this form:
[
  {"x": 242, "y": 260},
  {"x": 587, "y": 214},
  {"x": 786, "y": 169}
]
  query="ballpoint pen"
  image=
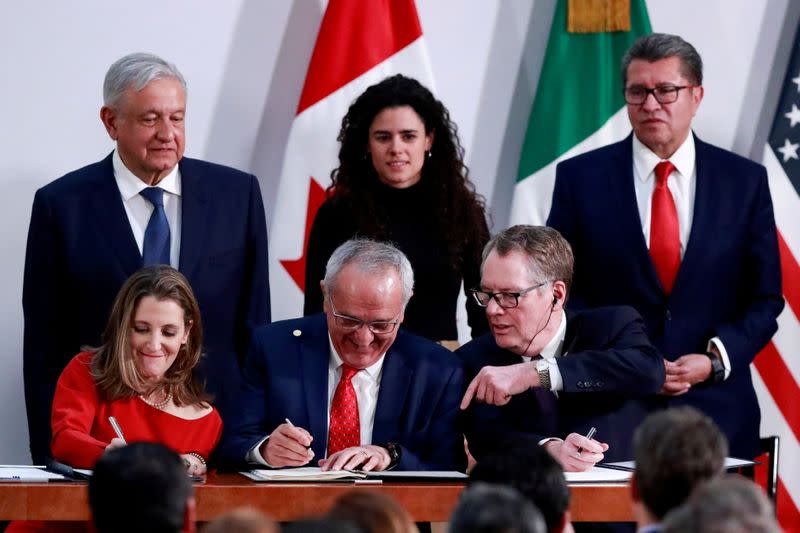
[
  {"x": 117, "y": 429},
  {"x": 588, "y": 436}
]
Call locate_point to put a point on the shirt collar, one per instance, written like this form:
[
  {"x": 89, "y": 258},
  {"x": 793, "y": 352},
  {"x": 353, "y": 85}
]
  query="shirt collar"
[
  {"x": 553, "y": 348},
  {"x": 334, "y": 362},
  {"x": 645, "y": 160},
  {"x": 130, "y": 185}
]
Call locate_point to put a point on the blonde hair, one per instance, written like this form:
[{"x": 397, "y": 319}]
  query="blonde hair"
[{"x": 115, "y": 369}]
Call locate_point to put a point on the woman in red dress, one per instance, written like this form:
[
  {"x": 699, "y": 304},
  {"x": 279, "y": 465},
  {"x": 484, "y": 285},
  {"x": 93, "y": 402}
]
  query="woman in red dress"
[{"x": 143, "y": 375}]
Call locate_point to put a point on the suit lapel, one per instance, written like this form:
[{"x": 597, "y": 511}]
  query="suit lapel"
[
  {"x": 395, "y": 382},
  {"x": 314, "y": 354},
  {"x": 194, "y": 218},
  {"x": 703, "y": 217},
  {"x": 112, "y": 221}
]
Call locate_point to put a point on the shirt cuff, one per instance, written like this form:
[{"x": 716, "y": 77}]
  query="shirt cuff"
[
  {"x": 716, "y": 342},
  {"x": 254, "y": 455},
  {"x": 548, "y": 439}
]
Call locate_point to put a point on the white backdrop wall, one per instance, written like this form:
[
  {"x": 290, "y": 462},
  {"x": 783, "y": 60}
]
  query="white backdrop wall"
[{"x": 245, "y": 62}]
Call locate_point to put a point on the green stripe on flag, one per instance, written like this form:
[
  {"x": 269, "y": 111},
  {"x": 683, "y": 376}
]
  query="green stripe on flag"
[{"x": 579, "y": 87}]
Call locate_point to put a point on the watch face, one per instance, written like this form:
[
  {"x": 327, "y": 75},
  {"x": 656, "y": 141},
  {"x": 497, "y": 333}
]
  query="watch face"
[{"x": 541, "y": 365}]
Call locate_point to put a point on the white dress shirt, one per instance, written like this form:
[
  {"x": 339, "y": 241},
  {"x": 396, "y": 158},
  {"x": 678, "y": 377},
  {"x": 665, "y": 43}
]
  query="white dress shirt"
[
  {"x": 552, "y": 350},
  {"x": 367, "y": 384},
  {"x": 139, "y": 209},
  {"x": 682, "y": 183}
]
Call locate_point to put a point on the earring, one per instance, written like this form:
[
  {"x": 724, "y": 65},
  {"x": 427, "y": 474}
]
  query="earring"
[
  {"x": 366, "y": 155},
  {"x": 428, "y": 154}
]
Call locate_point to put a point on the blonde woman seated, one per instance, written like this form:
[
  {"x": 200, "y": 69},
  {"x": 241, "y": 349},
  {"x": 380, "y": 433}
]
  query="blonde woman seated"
[{"x": 142, "y": 375}]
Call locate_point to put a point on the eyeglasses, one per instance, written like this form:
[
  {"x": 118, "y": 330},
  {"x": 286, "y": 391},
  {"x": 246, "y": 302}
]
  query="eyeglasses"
[
  {"x": 349, "y": 323},
  {"x": 505, "y": 299},
  {"x": 664, "y": 94}
]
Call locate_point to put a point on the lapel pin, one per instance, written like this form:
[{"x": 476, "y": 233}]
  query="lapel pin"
[{"x": 297, "y": 333}]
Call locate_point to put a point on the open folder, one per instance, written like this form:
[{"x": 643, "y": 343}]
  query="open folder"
[{"x": 315, "y": 474}]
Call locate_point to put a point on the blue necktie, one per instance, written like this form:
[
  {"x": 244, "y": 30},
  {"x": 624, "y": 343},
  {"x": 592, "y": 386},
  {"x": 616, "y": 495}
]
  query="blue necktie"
[{"x": 156, "y": 237}]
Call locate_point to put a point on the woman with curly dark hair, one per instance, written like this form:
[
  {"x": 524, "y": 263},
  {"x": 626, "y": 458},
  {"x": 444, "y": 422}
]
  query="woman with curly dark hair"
[{"x": 402, "y": 178}]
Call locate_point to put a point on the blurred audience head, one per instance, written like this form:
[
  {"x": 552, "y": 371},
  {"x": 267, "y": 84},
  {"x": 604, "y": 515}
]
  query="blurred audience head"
[
  {"x": 320, "y": 525},
  {"x": 242, "y": 520},
  {"x": 373, "y": 512},
  {"x": 488, "y": 508},
  {"x": 536, "y": 475},
  {"x": 731, "y": 504},
  {"x": 675, "y": 451},
  {"x": 141, "y": 487}
]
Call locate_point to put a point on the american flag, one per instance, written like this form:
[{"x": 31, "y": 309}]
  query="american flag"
[{"x": 777, "y": 367}]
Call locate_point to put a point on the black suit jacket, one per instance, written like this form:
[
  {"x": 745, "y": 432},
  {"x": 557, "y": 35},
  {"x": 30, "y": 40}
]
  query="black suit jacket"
[
  {"x": 286, "y": 376},
  {"x": 81, "y": 250},
  {"x": 610, "y": 372},
  {"x": 729, "y": 282}
]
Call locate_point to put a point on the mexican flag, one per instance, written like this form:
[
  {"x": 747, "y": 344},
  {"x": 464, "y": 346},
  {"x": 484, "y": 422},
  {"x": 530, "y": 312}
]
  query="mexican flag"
[
  {"x": 359, "y": 44},
  {"x": 578, "y": 105}
]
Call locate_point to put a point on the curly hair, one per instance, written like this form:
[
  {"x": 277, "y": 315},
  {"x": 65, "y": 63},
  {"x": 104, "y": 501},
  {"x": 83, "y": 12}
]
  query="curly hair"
[
  {"x": 445, "y": 177},
  {"x": 114, "y": 367}
]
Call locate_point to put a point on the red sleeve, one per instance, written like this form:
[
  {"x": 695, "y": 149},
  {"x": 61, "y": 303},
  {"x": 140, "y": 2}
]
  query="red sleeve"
[{"x": 75, "y": 406}]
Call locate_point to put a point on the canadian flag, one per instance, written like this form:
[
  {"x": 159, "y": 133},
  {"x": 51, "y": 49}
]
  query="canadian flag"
[{"x": 359, "y": 44}]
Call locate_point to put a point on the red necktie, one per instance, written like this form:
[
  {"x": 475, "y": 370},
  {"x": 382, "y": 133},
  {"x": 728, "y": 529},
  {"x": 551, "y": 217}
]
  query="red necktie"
[
  {"x": 345, "y": 429},
  {"x": 665, "y": 240}
]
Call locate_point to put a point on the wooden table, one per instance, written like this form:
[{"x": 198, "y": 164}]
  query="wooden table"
[{"x": 427, "y": 502}]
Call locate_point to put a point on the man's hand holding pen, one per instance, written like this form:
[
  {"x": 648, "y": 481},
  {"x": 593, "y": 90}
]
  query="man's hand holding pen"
[
  {"x": 577, "y": 453},
  {"x": 288, "y": 445}
]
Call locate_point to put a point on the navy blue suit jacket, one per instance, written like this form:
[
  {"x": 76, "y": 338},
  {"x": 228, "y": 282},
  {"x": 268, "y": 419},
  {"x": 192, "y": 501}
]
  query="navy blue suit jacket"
[
  {"x": 610, "y": 373},
  {"x": 81, "y": 250},
  {"x": 729, "y": 282},
  {"x": 286, "y": 376}
]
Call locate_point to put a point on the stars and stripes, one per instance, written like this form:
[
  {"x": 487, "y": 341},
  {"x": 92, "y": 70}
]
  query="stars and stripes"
[{"x": 778, "y": 365}]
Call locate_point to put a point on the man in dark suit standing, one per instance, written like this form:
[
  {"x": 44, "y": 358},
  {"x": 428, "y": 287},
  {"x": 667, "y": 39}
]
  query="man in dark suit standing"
[
  {"x": 349, "y": 388},
  {"x": 542, "y": 373},
  {"x": 682, "y": 231},
  {"x": 143, "y": 204}
]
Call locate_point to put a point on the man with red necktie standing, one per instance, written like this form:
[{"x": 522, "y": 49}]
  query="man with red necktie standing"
[
  {"x": 682, "y": 231},
  {"x": 348, "y": 388}
]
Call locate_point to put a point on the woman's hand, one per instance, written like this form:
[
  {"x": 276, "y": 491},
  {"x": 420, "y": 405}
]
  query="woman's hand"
[
  {"x": 115, "y": 443},
  {"x": 193, "y": 465}
]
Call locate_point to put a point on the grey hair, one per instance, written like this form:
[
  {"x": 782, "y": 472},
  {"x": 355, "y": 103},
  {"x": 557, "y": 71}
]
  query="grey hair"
[
  {"x": 370, "y": 257},
  {"x": 549, "y": 254},
  {"x": 134, "y": 71},
  {"x": 731, "y": 504},
  {"x": 657, "y": 46}
]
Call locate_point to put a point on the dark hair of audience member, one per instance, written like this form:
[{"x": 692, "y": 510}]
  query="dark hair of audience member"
[
  {"x": 140, "y": 487},
  {"x": 242, "y": 520},
  {"x": 675, "y": 451},
  {"x": 373, "y": 512},
  {"x": 487, "y": 508},
  {"x": 534, "y": 473},
  {"x": 731, "y": 504},
  {"x": 321, "y": 525}
]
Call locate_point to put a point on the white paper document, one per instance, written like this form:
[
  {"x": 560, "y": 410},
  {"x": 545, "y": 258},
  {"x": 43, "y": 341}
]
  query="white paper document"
[
  {"x": 598, "y": 474},
  {"x": 26, "y": 473},
  {"x": 308, "y": 473}
]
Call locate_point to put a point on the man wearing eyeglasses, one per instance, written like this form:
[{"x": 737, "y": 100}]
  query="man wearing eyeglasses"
[
  {"x": 543, "y": 374},
  {"x": 683, "y": 232},
  {"x": 349, "y": 388}
]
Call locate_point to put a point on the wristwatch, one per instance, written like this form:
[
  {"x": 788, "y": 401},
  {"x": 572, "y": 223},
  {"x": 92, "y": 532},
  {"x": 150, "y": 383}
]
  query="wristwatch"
[
  {"x": 395, "y": 451},
  {"x": 717, "y": 369},
  {"x": 544, "y": 374}
]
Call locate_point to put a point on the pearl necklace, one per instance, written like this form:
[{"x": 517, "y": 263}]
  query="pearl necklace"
[{"x": 158, "y": 405}]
